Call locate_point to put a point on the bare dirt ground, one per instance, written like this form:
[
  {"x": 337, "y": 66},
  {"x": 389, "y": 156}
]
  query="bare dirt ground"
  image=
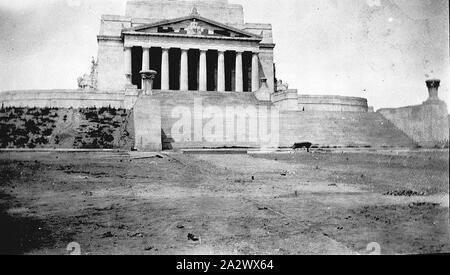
[{"x": 318, "y": 203}]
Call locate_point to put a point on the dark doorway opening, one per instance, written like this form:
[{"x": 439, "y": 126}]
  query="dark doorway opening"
[
  {"x": 136, "y": 66},
  {"x": 247, "y": 71},
  {"x": 174, "y": 69},
  {"x": 230, "y": 63},
  {"x": 211, "y": 63},
  {"x": 155, "y": 64},
  {"x": 193, "y": 70}
]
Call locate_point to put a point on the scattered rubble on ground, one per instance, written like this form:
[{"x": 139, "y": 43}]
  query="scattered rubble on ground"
[
  {"x": 423, "y": 204},
  {"x": 107, "y": 235},
  {"x": 192, "y": 237},
  {"x": 135, "y": 235},
  {"x": 87, "y": 193},
  {"x": 404, "y": 193}
]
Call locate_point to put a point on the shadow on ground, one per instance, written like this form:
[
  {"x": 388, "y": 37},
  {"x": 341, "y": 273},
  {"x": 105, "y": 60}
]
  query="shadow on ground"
[{"x": 21, "y": 233}]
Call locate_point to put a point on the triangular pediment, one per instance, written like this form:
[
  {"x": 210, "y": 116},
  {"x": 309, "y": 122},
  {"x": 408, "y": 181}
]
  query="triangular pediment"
[{"x": 193, "y": 25}]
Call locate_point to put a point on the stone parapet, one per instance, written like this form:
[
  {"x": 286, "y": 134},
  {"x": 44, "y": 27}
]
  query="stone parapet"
[
  {"x": 332, "y": 103},
  {"x": 221, "y": 11},
  {"x": 286, "y": 100},
  {"x": 62, "y": 98},
  {"x": 112, "y": 25},
  {"x": 264, "y": 30},
  {"x": 290, "y": 100}
]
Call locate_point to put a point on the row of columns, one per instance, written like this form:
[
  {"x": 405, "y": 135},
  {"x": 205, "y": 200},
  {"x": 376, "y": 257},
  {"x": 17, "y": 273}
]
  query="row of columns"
[{"x": 184, "y": 75}]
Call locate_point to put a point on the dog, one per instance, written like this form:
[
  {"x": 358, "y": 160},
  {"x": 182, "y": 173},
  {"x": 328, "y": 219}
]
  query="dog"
[{"x": 302, "y": 145}]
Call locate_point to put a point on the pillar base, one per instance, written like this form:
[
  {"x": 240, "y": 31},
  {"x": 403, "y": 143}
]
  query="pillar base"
[
  {"x": 263, "y": 94},
  {"x": 147, "y": 124}
]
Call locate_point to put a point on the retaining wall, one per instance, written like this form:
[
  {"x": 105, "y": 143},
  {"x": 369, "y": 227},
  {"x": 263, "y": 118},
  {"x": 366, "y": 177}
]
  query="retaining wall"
[
  {"x": 201, "y": 111},
  {"x": 341, "y": 129},
  {"x": 427, "y": 124},
  {"x": 88, "y": 128}
]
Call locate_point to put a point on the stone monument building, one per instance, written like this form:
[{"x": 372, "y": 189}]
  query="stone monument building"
[
  {"x": 197, "y": 66},
  {"x": 202, "y": 45}
]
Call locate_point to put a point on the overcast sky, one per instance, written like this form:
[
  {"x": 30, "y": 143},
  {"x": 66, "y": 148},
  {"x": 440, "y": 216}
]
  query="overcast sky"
[{"x": 383, "y": 50}]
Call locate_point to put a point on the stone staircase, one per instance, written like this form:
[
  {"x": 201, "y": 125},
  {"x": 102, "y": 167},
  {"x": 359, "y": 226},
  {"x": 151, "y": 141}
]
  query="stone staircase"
[
  {"x": 170, "y": 100},
  {"x": 325, "y": 129}
]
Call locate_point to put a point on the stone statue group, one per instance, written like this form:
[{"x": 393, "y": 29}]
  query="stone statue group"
[{"x": 89, "y": 81}]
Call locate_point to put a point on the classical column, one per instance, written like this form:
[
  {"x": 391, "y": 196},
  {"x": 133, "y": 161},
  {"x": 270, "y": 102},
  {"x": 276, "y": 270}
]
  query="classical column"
[
  {"x": 165, "y": 69},
  {"x": 145, "y": 59},
  {"x": 127, "y": 64},
  {"x": 255, "y": 72},
  {"x": 239, "y": 76},
  {"x": 184, "y": 84},
  {"x": 203, "y": 73},
  {"x": 221, "y": 71}
]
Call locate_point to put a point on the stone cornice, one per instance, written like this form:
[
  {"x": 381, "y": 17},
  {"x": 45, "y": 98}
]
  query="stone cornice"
[
  {"x": 109, "y": 38},
  {"x": 267, "y": 45},
  {"x": 134, "y": 33}
]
